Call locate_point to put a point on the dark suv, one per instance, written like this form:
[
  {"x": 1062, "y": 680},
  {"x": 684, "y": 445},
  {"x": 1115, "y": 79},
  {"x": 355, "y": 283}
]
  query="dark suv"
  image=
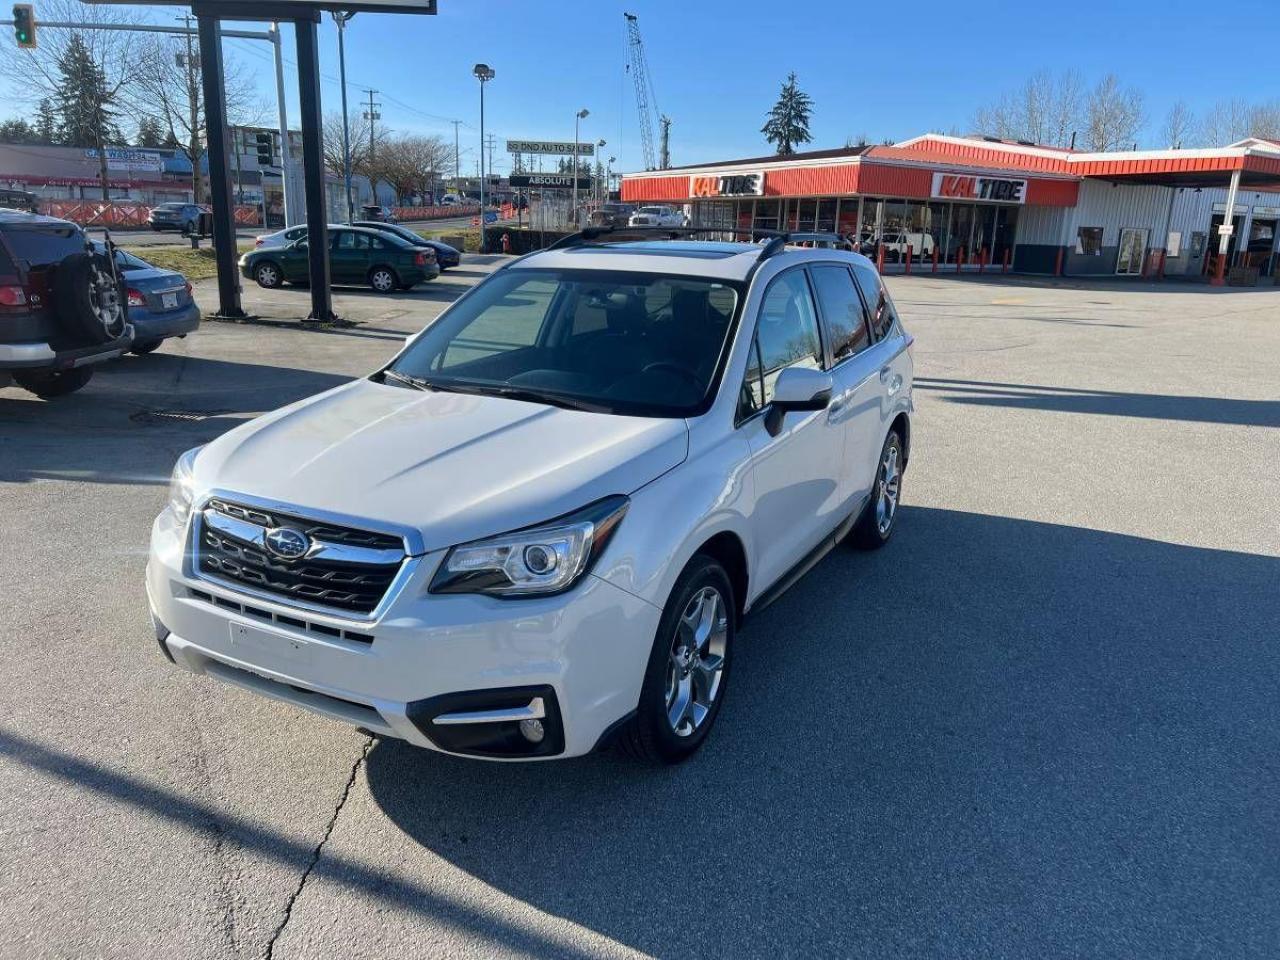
[
  {"x": 612, "y": 214},
  {"x": 63, "y": 306}
]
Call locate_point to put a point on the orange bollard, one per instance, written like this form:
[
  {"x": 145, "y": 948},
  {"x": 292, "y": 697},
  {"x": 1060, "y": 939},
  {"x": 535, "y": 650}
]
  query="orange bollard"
[
  {"x": 1160, "y": 269},
  {"x": 908, "y": 258},
  {"x": 880, "y": 258},
  {"x": 935, "y": 258},
  {"x": 1005, "y": 268},
  {"x": 982, "y": 259},
  {"x": 1057, "y": 267},
  {"x": 959, "y": 258}
]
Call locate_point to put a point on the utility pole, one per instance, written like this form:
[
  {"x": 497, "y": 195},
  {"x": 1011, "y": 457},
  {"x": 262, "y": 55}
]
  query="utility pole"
[
  {"x": 456, "y": 154},
  {"x": 341, "y": 18},
  {"x": 372, "y": 115},
  {"x": 193, "y": 101}
]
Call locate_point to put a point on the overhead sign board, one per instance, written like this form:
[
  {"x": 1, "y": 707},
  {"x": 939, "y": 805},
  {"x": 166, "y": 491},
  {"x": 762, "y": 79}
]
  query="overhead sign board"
[
  {"x": 730, "y": 185},
  {"x": 954, "y": 186},
  {"x": 303, "y": 6},
  {"x": 563, "y": 181},
  {"x": 119, "y": 158},
  {"x": 552, "y": 147}
]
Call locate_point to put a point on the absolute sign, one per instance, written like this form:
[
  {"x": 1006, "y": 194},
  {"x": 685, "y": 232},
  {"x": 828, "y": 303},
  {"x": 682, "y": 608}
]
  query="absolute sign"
[
  {"x": 562, "y": 181},
  {"x": 992, "y": 189},
  {"x": 732, "y": 185}
]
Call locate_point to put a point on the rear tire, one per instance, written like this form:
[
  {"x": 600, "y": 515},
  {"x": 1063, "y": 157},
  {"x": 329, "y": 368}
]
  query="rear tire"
[
  {"x": 49, "y": 384},
  {"x": 880, "y": 516},
  {"x": 141, "y": 347},
  {"x": 688, "y": 670},
  {"x": 383, "y": 280}
]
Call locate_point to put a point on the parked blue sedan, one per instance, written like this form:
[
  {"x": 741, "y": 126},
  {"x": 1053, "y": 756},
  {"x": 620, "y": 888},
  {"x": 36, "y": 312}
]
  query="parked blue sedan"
[{"x": 160, "y": 303}]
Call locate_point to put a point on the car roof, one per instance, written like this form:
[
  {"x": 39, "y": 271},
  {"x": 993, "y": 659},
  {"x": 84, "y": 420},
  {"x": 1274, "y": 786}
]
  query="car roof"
[
  {"x": 22, "y": 218},
  {"x": 693, "y": 258}
]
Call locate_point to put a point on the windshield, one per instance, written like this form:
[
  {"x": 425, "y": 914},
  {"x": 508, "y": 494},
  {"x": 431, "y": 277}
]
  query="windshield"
[{"x": 621, "y": 342}]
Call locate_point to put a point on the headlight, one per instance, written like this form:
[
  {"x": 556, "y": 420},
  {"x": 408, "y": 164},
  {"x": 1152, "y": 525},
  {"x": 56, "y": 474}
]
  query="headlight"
[
  {"x": 549, "y": 558},
  {"x": 182, "y": 486}
]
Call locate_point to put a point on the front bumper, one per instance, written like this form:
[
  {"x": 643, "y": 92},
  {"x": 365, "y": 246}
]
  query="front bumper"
[{"x": 419, "y": 656}]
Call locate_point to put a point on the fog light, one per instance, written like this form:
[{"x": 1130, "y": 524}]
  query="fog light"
[{"x": 532, "y": 730}]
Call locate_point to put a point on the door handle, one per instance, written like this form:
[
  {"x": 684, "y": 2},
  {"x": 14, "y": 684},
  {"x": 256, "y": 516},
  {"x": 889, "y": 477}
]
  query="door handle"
[
  {"x": 835, "y": 408},
  {"x": 884, "y": 374}
]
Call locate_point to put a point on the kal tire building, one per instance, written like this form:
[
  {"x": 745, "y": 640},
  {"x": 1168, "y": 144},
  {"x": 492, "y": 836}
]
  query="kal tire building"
[{"x": 972, "y": 203}]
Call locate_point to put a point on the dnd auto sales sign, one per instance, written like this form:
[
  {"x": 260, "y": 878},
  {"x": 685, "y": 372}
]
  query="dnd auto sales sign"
[{"x": 955, "y": 186}]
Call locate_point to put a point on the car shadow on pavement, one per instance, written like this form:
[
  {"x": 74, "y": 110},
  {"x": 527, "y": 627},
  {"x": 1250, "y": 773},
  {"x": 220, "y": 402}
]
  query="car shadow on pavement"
[
  {"x": 135, "y": 416},
  {"x": 1248, "y": 413},
  {"x": 993, "y": 738}
]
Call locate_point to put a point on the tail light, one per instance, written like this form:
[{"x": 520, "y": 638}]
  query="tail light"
[
  {"x": 12, "y": 297},
  {"x": 136, "y": 299},
  {"x": 258, "y": 241},
  {"x": 424, "y": 257},
  {"x": 188, "y": 286}
]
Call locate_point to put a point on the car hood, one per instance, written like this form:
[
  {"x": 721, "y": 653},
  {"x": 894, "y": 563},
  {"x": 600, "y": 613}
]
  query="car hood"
[{"x": 454, "y": 466}]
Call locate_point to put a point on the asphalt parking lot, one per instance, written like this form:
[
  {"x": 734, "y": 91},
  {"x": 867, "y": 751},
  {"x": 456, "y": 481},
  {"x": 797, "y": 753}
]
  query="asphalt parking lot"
[{"x": 1042, "y": 723}]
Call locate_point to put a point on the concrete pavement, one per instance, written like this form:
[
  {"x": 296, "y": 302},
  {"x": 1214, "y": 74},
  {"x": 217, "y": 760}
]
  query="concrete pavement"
[{"x": 1041, "y": 723}]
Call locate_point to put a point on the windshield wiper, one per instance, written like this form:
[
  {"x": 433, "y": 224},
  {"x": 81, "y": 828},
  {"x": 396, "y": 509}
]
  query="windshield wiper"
[
  {"x": 525, "y": 394},
  {"x": 408, "y": 381}
]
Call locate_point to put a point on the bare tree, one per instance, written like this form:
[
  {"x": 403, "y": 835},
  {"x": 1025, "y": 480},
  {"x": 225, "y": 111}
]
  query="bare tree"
[
  {"x": 36, "y": 74},
  {"x": 168, "y": 85},
  {"x": 1179, "y": 126},
  {"x": 1226, "y": 122},
  {"x": 1113, "y": 115},
  {"x": 414, "y": 164},
  {"x": 1045, "y": 110}
]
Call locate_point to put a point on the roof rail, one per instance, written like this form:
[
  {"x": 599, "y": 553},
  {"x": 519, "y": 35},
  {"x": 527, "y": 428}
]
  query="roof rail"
[{"x": 777, "y": 238}]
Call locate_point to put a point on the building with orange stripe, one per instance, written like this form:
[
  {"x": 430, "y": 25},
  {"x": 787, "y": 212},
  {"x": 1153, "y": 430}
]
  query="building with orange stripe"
[{"x": 975, "y": 203}]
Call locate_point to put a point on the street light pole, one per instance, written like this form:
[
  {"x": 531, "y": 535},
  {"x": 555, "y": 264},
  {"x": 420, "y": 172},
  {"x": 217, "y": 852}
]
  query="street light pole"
[
  {"x": 341, "y": 18},
  {"x": 600, "y": 145},
  {"x": 580, "y": 115},
  {"x": 484, "y": 73},
  {"x": 285, "y": 158}
]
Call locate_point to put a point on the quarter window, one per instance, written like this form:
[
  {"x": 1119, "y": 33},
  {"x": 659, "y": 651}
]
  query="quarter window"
[
  {"x": 787, "y": 331},
  {"x": 879, "y": 307},
  {"x": 841, "y": 311}
]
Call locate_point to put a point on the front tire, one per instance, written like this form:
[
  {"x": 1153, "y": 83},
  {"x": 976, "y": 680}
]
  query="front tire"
[
  {"x": 879, "y": 518},
  {"x": 50, "y": 384},
  {"x": 268, "y": 275},
  {"x": 688, "y": 669}
]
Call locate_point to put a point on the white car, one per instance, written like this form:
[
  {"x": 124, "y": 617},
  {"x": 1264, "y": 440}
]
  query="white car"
[
  {"x": 538, "y": 529},
  {"x": 657, "y": 217},
  {"x": 282, "y": 238}
]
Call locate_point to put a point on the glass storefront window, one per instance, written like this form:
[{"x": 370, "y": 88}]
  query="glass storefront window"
[
  {"x": 826, "y": 216},
  {"x": 869, "y": 227},
  {"x": 894, "y": 230},
  {"x": 939, "y": 217},
  {"x": 746, "y": 209},
  {"x": 806, "y": 214},
  {"x": 766, "y": 215},
  {"x": 959, "y": 241},
  {"x": 847, "y": 219}
]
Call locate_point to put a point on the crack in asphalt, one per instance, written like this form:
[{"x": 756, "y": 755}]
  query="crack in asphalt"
[{"x": 315, "y": 854}]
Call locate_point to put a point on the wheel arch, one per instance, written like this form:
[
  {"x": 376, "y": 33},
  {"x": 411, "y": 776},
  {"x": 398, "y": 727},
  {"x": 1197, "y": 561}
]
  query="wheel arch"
[
  {"x": 727, "y": 549},
  {"x": 902, "y": 425}
]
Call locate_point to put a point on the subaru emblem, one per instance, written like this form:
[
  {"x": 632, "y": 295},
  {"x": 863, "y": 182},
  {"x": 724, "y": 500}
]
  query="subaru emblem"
[{"x": 286, "y": 543}]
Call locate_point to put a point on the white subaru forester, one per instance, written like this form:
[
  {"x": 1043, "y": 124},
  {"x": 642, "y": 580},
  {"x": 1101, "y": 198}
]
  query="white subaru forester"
[{"x": 538, "y": 529}]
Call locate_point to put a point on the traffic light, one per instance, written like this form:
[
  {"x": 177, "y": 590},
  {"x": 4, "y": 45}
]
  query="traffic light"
[
  {"x": 24, "y": 25},
  {"x": 266, "y": 150}
]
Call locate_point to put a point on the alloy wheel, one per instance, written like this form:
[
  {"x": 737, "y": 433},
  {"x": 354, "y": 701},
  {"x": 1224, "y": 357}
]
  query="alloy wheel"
[
  {"x": 695, "y": 666},
  {"x": 889, "y": 484}
]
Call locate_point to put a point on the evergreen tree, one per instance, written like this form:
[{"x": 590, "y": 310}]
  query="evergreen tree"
[
  {"x": 150, "y": 132},
  {"x": 788, "y": 122},
  {"x": 18, "y": 131},
  {"x": 85, "y": 108},
  {"x": 46, "y": 122}
]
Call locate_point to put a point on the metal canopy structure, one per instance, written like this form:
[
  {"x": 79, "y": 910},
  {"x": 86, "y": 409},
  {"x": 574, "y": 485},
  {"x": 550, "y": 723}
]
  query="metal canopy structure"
[{"x": 305, "y": 17}]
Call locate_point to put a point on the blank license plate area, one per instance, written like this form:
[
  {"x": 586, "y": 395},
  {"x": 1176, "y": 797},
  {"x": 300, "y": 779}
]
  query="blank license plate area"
[
  {"x": 168, "y": 300},
  {"x": 263, "y": 646}
]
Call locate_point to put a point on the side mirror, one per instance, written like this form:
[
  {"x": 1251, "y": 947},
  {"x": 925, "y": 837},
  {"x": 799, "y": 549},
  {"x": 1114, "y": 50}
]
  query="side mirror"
[{"x": 800, "y": 389}]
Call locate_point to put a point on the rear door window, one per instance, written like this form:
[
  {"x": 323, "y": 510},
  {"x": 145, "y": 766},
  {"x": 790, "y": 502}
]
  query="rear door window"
[
  {"x": 879, "y": 307},
  {"x": 841, "y": 311}
]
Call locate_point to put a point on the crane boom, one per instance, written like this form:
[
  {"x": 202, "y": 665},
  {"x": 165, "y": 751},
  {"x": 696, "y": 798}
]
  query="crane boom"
[{"x": 639, "y": 68}]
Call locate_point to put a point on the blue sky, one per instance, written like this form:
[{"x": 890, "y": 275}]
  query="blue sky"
[{"x": 884, "y": 70}]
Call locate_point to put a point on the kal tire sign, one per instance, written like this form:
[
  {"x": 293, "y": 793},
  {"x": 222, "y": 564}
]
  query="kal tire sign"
[
  {"x": 955, "y": 186},
  {"x": 732, "y": 185}
]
